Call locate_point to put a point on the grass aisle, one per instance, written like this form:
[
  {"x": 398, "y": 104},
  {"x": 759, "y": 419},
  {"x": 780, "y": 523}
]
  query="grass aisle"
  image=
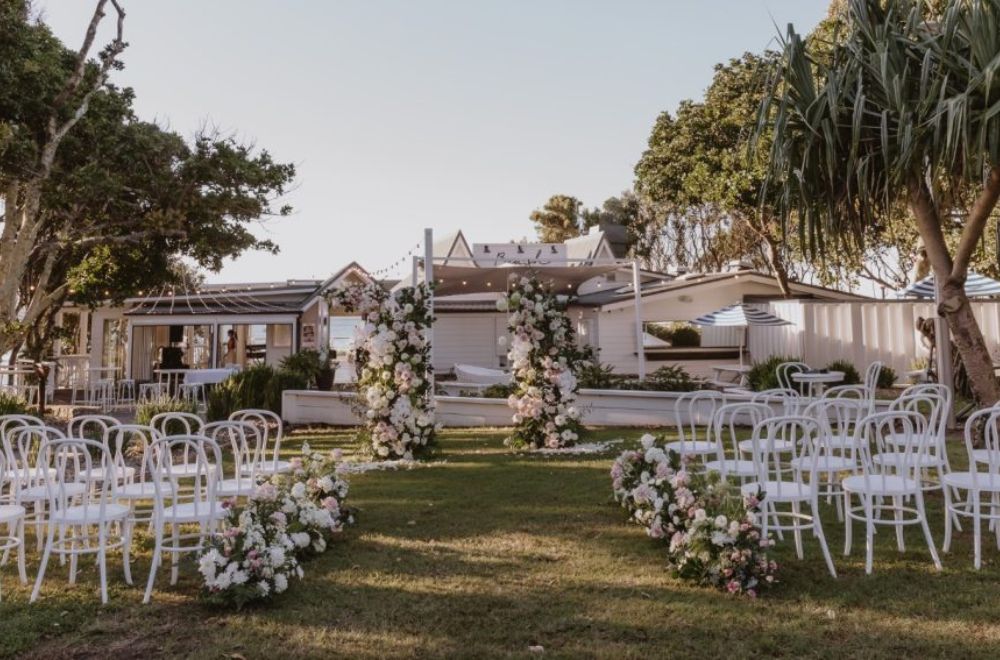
[{"x": 486, "y": 554}]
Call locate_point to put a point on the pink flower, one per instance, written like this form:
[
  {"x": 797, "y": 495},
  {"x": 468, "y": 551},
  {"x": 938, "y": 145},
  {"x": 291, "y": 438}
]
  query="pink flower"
[{"x": 733, "y": 586}]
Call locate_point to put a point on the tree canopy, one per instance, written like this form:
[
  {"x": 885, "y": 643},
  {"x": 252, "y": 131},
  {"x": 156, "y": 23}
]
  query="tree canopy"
[{"x": 558, "y": 219}]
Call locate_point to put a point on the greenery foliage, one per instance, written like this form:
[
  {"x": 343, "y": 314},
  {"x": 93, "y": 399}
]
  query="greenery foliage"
[
  {"x": 886, "y": 377},
  {"x": 147, "y": 410},
  {"x": 257, "y": 386},
  {"x": 851, "y": 375},
  {"x": 763, "y": 375},
  {"x": 11, "y": 404},
  {"x": 307, "y": 363}
]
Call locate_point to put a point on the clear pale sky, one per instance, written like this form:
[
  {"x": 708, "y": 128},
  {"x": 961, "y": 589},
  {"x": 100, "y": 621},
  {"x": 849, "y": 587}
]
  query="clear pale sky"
[{"x": 448, "y": 114}]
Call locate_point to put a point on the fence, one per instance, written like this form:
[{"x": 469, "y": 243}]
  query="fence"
[{"x": 859, "y": 332}]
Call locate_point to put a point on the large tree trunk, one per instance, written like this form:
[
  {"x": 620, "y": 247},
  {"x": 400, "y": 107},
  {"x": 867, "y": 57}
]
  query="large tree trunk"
[{"x": 954, "y": 306}]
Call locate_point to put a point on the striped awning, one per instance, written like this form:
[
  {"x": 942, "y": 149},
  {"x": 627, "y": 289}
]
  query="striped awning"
[
  {"x": 739, "y": 315},
  {"x": 976, "y": 286}
]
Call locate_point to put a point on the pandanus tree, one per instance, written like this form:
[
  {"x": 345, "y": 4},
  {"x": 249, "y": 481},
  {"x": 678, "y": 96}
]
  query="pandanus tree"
[{"x": 900, "y": 111}]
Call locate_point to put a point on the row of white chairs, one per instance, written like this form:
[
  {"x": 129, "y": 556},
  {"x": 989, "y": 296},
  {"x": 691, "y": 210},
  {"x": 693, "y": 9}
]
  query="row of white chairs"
[
  {"x": 82, "y": 489},
  {"x": 875, "y": 466}
]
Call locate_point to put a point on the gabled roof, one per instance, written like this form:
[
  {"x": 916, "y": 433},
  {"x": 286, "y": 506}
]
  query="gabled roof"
[
  {"x": 451, "y": 245},
  {"x": 591, "y": 246}
]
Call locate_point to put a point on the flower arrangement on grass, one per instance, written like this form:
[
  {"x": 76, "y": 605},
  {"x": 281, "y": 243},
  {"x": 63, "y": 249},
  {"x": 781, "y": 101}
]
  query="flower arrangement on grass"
[
  {"x": 391, "y": 356},
  {"x": 284, "y": 520},
  {"x": 711, "y": 530},
  {"x": 542, "y": 355}
]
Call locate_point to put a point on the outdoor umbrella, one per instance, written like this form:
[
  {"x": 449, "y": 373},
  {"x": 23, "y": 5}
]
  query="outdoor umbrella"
[
  {"x": 976, "y": 286},
  {"x": 739, "y": 315}
]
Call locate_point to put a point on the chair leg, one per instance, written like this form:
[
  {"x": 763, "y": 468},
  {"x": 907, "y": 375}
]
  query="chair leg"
[
  {"x": 927, "y": 529},
  {"x": 796, "y": 530},
  {"x": 50, "y": 538},
  {"x": 127, "y": 550},
  {"x": 174, "y": 554},
  {"x": 102, "y": 559},
  {"x": 21, "y": 569},
  {"x": 73, "y": 558},
  {"x": 818, "y": 533},
  {"x": 157, "y": 552},
  {"x": 869, "y": 533},
  {"x": 848, "y": 524},
  {"x": 897, "y": 505},
  {"x": 977, "y": 532},
  {"x": 949, "y": 511}
]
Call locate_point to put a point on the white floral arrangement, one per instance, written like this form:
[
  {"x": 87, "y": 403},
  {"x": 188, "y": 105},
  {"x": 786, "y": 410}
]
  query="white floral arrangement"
[
  {"x": 254, "y": 557},
  {"x": 711, "y": 531},
  {"x": 542, "y": 355},
  {"x": 285, "y": 519},
  {"x": 391, "y": 357}
]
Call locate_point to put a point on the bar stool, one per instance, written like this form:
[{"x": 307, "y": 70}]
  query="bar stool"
[
  {"x": 126, "y": 391},
  {"x": 194, "y": 392},
  {"x": 151, "y": 391}
]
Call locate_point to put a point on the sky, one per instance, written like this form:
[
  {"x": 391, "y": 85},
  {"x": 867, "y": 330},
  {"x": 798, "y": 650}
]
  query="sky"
[{"x": 406, "y": 114}]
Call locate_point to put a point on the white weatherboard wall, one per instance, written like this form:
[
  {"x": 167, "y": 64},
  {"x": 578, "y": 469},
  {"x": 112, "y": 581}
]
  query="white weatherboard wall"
[
  {"x": 860, "y": 332},
  {"x": 466, "y": 338}
]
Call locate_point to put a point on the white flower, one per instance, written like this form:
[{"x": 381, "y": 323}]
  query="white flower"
[
  {"x": 647, "y": 441},
  {"x": 280, "y": 583}
]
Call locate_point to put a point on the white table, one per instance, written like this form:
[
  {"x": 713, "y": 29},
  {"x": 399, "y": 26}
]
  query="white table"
[
  {"x": 817, "y": 381},
  {"x": 730, "y": 375},
  {"x": 208, "y": 376}
]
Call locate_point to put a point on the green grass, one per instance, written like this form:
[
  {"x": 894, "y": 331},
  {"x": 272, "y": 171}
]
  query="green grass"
[{"x": 485, "y": 553}]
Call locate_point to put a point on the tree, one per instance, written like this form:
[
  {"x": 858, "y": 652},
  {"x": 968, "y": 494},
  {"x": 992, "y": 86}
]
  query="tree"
[
  {"x": 45, "y": 90},
  {"x": 558, "y": 219},
  {"x": 899, "y": 110}
]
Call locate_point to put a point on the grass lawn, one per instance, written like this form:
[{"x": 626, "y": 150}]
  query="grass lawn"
[{"x": 486, "y": 553}]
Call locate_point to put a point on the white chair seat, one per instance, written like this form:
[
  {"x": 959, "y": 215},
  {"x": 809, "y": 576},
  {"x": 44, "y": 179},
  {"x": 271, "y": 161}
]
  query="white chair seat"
[
  {"x": 897, "y": 459},
  {"x": 881, "y": 485},
  {"x": 735, "y": 468},
  {"x": 186, "y": 512},
  {"x": 688, "y": 448},
  {"x": 234, "y": 487},
  {"x": 982, "y": 456},
  {"x": 143, "y": 491},
  {"x": 183, "y": 470},
  {"x": 89, "y": 514},
  {"x": 97, "y": 474},
  {"x": 963, "y": 480},
  {"x": 840, "y": 441},
  {"x": 779, "y": 491},
  {"x": 780, "y": 446},
  {"x": 825, "y": 464},
  {"x": 281, "y": 467},
  {"x": 39, "y": 493},
  {"x": 16, "y": 476},
  {"x": 11, "y": 512}
]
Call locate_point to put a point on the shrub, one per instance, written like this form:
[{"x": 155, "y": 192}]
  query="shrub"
[
  {"x": 670, "y": 378},
  {"x": 886, "y": 378},
  {"x": 147, "y": 410},
  {"x": 764, "y": 376},
  {"x": 259, "y": 386},
  {"x": 851, "y": 375},
  {"x": 308, "y": 364},
  {"x": 685, "y": 336},
  {"x": 11, "y": 404},
  {"x": 596, "y": 376},
  {"x": 498, "y": 391}
]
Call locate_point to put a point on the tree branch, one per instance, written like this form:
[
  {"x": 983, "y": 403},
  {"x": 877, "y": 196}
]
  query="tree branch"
[{"x": 979, "y": 214}]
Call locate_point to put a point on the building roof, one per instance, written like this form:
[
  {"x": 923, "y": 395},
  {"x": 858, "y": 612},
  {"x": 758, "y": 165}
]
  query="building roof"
[{"x": 623, "y": 294}]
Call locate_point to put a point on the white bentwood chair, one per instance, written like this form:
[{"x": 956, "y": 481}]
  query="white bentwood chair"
[
  {"x": 886, "y": 485},
  {"x": 13, "y": 516},
  {"x": 779, "y": 489},
  {"x": 725, "y": 428},
  {"x": 202, "y": 508},
  {"x": 691, "y": 408},
  {"x": 83, "y": 516},
  {"x": 243, "y": 440},
  {"x": 982, "y": 478}
]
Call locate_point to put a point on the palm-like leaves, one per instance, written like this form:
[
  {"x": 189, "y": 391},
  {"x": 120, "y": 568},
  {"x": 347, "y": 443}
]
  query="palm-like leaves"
[{"x": 904, "y": 97}]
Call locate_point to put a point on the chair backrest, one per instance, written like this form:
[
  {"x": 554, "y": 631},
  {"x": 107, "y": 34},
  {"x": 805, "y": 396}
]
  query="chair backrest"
[
  {"x": 692, "y": 407},
  {"x": 899, "y": 433},
  {"x": 872, "y": 373},
  {"x": 130, "y": 444},
  {"x": 728, "y": 421},
  {"x": 836, "y": 418},
  {"x": 983, "y": 428},
  {"x": 789, "y": 399},
  {"x": 177, "y": 423},
  {"x": 784, "y": 373},
  {"x": 264, "y": 420},
  {"x": 932, "y": 403},
  {"x": 201, "y": 471},
  {"x": 32, "y": 456},
  {"x": 96, "y": 425},
  {"x": 8, "y": 425},
  {"x": 243, "y": 441},
  {"x": 772, "y": 439},
  {"x": 79, "y": 462}
]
